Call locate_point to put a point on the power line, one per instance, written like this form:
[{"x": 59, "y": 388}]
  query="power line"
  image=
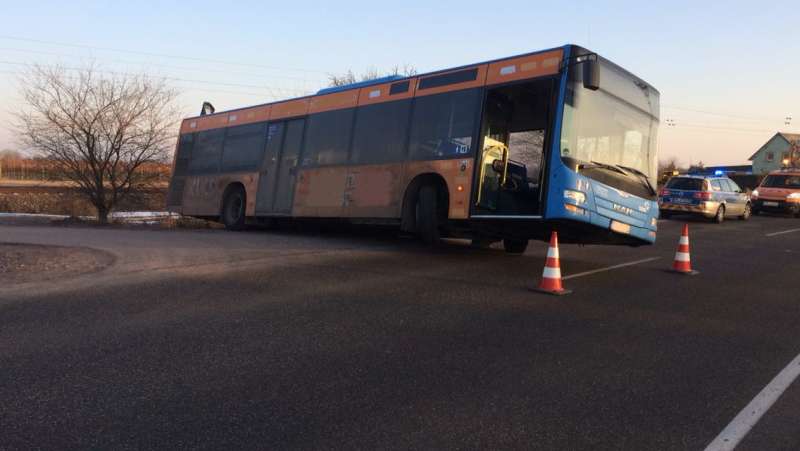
[
  {"x": 721, "y": 128},
  {"x": 128, "y": 74},
  {"x": 159, "y": 55},
  {"x": 714, "y": 113},
  {"x": 166, "y": 66},
  {"x": 259, "y": 96}
]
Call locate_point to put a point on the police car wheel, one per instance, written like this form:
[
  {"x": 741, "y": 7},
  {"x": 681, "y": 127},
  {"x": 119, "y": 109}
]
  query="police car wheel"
[{"x": 720, "y": 216}]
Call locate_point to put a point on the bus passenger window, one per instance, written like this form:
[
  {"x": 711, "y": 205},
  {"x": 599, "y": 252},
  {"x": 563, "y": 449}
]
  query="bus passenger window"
[
  {"x": 328, "y": 138},
  {"x": 207, "y": 151},
  {"x": 443, "y": 124},
  {"x": 380, "y": 133},
  {"x": 244, "y": 147}
]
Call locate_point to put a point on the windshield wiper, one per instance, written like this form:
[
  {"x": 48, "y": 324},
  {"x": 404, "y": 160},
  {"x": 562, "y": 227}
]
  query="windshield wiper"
[
  {"x": 641, "y": 175},
  {"x": 624, "y": 170},
  {"x": 597, "y": 164}
]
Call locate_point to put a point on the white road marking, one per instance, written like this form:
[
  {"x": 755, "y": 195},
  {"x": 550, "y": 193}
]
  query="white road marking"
[
  {"x": 609, "y": 268},
  {"x": 782, "y": 232},
  {"x": 749, "y": 416}
]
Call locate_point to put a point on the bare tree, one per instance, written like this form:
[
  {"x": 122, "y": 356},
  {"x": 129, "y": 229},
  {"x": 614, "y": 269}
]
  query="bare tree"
[
  {"x": 98, "y": 130},
  {"x": 370, "y": 74},
  {"x": 669, "y": 164}
]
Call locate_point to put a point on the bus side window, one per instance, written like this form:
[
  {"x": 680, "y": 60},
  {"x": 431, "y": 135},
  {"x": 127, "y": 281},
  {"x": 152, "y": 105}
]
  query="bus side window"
[
  {"x": 328, "y": 137},
  {"x": 527, "y": 147},
  {"x": 244, "y": 147},
  {"x": 207, "y": 151},
  {"x": 184, "y": 154},
  {"x": 380, "y": 133},
  {"x": 443, "y": 124}
]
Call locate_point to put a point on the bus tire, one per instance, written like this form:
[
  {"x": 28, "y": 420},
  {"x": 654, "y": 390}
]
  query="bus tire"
[
  {"x": 233, "y": 209},
  {"x": 428, "y": 215},
  {"x": 515, "y": 246}
]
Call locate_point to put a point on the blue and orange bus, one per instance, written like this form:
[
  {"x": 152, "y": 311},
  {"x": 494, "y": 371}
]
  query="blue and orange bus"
[{"x": 509, "y": 149}]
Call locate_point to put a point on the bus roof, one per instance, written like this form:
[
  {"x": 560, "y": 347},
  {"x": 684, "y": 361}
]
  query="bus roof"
[
  {"x": 371, "y": 82},
  {"x": 524, "y": 66},
  {"x": 359, "y": 84}
]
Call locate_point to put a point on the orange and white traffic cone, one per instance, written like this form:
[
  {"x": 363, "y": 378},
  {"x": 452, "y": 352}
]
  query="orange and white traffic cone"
[
  {"x": 551, "y": 276},
  {"x": 683, "y": 262}
]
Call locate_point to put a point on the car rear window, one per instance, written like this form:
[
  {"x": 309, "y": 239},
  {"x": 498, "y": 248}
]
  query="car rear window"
[
  {"x": 686, "y": 183},
  {"x": 782, "y": 181}
]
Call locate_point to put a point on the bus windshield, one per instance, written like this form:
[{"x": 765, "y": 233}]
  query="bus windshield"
[{"x": 612, "y": 127}]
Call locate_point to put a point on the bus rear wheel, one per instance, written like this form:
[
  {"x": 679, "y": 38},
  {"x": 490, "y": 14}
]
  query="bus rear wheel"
[
  {"x": 233, "y": 209},
  {"x": 428, "y": 215},
  {"x": 514, "y": 246}
]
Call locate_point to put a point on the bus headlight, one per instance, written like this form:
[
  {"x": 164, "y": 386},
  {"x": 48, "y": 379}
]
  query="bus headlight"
[
  {"x": 794, "y": 198},
  {"x": 575, "y": 196}
]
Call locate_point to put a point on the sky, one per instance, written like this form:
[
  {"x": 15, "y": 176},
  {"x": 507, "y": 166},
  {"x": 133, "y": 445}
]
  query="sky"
[{"x": 728, "y": 72}]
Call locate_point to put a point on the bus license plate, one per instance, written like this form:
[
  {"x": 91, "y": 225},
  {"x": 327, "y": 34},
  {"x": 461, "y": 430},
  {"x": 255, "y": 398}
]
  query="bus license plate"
[
  {"x": 770, "y": 204},
  {"x": 620, "y": 227}
]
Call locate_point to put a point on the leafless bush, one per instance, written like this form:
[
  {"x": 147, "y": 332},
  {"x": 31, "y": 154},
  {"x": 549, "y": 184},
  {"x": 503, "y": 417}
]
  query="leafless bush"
[
  {"x": 98, "y": 130},
  {"x": 370, "y": 74}
]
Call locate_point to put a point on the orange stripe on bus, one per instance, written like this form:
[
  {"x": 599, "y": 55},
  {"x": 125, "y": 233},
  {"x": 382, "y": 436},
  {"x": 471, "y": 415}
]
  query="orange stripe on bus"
[
  {"x": 290, "y": 108},
  {"x": 369, "y": 95},
  {"x": 334, "y": 101},
  {"x": 480, "y": 80},
  {"x": 530, "y": 66}
]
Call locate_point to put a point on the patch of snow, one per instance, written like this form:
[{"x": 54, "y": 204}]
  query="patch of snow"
[
  {"x": 32, "y": 215},
  {"x": 143, "y": 214}
]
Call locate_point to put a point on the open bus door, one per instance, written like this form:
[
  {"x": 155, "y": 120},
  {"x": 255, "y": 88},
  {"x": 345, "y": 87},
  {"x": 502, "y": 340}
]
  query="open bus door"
[{"x": 509, "y": 177}]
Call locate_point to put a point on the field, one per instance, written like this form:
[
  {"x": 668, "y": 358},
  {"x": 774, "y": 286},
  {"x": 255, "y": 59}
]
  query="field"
[{"x": 60, "y": 198}]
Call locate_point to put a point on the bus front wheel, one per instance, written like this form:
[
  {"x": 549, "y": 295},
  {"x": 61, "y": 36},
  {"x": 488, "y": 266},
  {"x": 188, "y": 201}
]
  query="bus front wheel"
[
  {"x": 513, "y": 246},
  {"x": 428, "y": 215},
  {"x": 233, "y": 209}
]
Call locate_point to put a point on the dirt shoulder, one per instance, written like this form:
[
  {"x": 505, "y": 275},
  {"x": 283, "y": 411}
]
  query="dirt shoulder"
[{"x": 21, "y": 263}]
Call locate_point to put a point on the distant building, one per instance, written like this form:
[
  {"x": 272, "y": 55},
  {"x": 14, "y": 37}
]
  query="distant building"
[{"x": 771, "y": 155}]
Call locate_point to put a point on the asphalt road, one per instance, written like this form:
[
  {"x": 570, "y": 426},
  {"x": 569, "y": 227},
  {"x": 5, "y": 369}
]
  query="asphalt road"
[{"x": 273, "y": 340}]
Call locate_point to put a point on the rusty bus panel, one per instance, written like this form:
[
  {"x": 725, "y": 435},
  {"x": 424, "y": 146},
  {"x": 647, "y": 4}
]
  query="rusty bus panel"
[
  {"x": 203, "y": 193},
  {"x": 320, "y": 192},
  {"x": 375, "y": 191},
  {"x": 457, "y": 175}
]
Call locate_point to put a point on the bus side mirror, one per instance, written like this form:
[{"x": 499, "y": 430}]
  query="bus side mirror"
[{"x": 591, "y": 74}]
